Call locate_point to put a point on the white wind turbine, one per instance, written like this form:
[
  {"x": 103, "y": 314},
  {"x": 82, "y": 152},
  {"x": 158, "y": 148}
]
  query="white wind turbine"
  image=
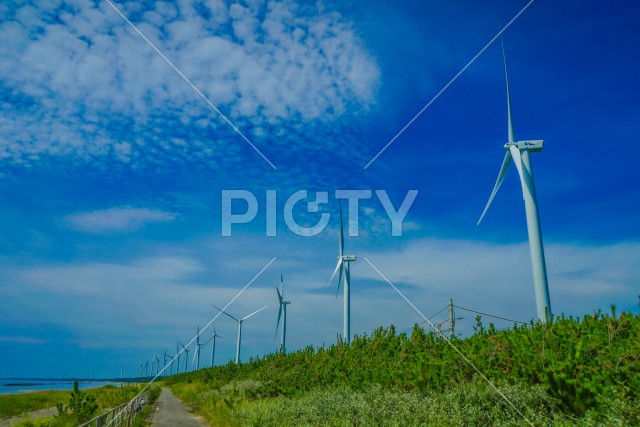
[
  {"x": 282, "y": 312},
  {"x": 186, "y": 357},
  {"x": 196, "y": 354},
  {"x": 343, "y": 269},
  {"x": 156, "y": 361},
  {"x": 240, "y": 321},
  {"x": 213, "y": 346},
  {"x": 165, "y": 357},
  {"x": 177, "y": 357},
  {"x": 519, "y": 153}
]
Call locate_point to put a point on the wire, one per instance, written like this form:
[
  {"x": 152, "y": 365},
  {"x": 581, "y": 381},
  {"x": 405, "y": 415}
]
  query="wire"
[
  {"x": 489, "y": 315},
  {"x": 431, "y": 317}
]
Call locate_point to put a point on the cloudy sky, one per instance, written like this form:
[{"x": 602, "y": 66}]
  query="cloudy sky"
[{"x": 117, "y": 144}]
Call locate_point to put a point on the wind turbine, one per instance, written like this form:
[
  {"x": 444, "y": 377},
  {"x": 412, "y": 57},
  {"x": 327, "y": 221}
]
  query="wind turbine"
[
  {"x": 282, "y": 311},
  {"x": 186, "y": 357},
  {"x": 518, "y": 151},
  {"x": 164, "y": 360},
  {"x": 239, "y": 328},
  {"x": 196, "y": 354},
  {"x": 153, "y": 363},
  {"x": 177, "y": 357},
  {"x": 213, "y": 347},
  {"x": 343, "y": 269},
  {"x": 157, "y": 362}
]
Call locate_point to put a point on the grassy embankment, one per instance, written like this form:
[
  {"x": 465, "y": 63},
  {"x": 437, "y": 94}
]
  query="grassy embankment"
[
  {"x": 90, "y": 402},
  {"x": 570, "y": 372}
]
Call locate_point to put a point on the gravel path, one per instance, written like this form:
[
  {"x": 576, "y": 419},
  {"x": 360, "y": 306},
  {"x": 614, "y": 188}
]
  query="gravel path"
[{"x": 171, "y": 412}]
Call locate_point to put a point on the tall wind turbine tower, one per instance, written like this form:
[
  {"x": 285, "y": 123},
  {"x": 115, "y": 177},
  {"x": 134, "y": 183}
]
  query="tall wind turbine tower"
[
  {"x": 186, "y": 357},
  {"x": 177, "y": 357},
  {"x": 213, "y": 346},
  {"x": 343, "y": 269},
  {"x": 519, "y": 153},
  {"x": 164, "y": 361},
  {"x": 282, "y": 312},
  {"x": 196, "y": 354},
  {"x": 240, "y": 321}
]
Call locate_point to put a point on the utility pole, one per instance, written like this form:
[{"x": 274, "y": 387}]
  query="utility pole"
[{"x": 452, "y": 319}]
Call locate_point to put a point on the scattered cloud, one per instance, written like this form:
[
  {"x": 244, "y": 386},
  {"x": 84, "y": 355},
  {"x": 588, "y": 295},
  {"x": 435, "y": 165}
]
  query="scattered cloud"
[
  {"x": 112, "y": 220},
  {"x": 77, "y": 81}
]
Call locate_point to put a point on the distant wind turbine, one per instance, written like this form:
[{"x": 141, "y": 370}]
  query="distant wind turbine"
[
  {"x": 282, "y": 312},
  {"x": 240, "y": 321},
  {"x": 519, "y": 153},
  {"x": 177, "y": 357},
  {"x": 186, "y": 357},
  {"x": 156, "y": 360},
  {"x": 343, "y": 269},
  {"x": 164, "y": 360},
  {"x": 196, "y": 354},
  {"x": 213, "y": 347}
]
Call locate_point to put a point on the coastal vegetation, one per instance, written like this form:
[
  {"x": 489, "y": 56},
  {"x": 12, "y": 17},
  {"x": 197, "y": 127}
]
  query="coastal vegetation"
[
  {"x": 570, "y": 371},
  {"x": 72, "y": 407}
]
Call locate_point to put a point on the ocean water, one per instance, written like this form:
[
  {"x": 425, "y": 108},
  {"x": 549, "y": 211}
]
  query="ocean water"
[{"x": 22, "y": 385}]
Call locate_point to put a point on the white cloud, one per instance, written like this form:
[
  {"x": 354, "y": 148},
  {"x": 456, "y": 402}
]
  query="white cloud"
[
  {"x": 75, "y": 73},
  {"x": 151, "y": 300},
  {"x": 116, "y": 219}
]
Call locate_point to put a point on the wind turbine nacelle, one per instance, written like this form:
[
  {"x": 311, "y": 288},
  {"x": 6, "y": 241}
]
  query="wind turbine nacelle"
[
  {"x": 349, "y": 257},
  {"x": 533, "y": 145}
]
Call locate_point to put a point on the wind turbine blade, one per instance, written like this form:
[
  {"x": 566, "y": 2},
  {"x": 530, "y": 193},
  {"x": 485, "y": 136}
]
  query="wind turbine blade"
[
  {"x": 335, "y": 271},
  {"x": 279, "y": 295},
  {"x": 221, "y": 311},
  {"x": 509, "y": 113},
  {"x": 503, "y": 172},
  {"x": 340, "y": 276},
  {"x": 341, "y": 231},
  {"x": 281, "y": 286},
  {"x": 517, "y": 159},
  {"x": 255, "y": 312},
  {"x": 278, "y": 322}
]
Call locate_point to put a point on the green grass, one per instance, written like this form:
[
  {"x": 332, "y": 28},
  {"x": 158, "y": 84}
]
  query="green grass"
[
  {"x": 571, "y": 371},
  {"x": 106, "y": 397},
  {"x": 17, "y": 404}
]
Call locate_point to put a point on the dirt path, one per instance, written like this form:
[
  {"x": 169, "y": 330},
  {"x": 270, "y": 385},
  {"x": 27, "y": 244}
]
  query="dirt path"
[
  {"x": 171, "y": 412},
  {"x": 6, "y": 422}
]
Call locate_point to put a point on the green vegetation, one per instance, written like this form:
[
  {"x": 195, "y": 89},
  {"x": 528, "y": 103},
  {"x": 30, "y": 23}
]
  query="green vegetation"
[
  {"x": 16, "y": 404},
  {"x": 141, "y": 419},
  {"x": 74, "y": 407},
  {"x": 81, "y": 408},
  {"x": 571, "y": 371}
]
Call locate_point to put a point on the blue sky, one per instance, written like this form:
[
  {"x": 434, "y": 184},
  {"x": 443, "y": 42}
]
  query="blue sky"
[{"x": 113, "y": 168}]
